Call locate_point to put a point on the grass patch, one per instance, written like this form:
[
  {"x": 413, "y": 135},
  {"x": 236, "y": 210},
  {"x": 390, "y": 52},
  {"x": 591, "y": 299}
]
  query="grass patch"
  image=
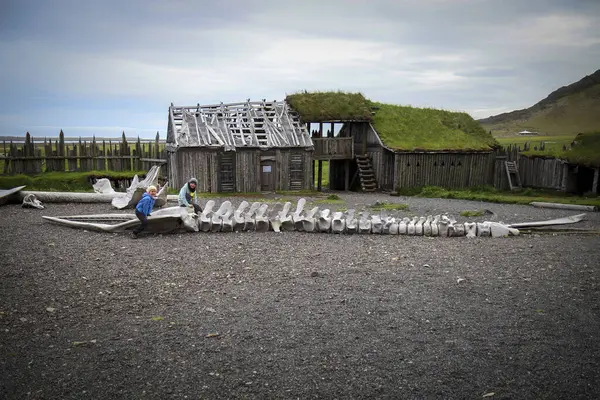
[
  {"x": 209, "y": 195},
  {"x": 63, "y": 181},
  {"x": 412, "y": 129},
  {"x": 489, "y": 194},
  {"x": 586, "y": 150},
  {"x": 333, "y": 197},
  {"x": 471, "y": 213},
  {"x": 330, "y": 106},
  {"x": 381, "y": 206},
  {"x": 311, "y": 193},
  {"x": 324, "y": 174},
  {"x": 327, "y": 201}
]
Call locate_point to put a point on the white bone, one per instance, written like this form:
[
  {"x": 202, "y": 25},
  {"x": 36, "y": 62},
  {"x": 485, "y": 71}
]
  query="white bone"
[
  {"x": 456, "y": 230},
  {"x": 435, "y": 229},
  {"x": 206, "y": 216},
  {"x": 249, "y": 218},
  {"x": 217, "y": 217},
  {"x": 31, "y": 201},
  {"x": 427, "y": 226},
  {"x": 403, "y": 226},
  {"x": 309, "y": 222},
  {"x": 338, "y": 223},
  {"x": 376, "y": 224},
  {"x": 364, "y": 223},
  {"x": 501, "y": 230},
  {"x": 419, "y": 226},
  {"x": 262, "y": 221},
  {"x": 483, "y": 229},
  {"x": 275, "y": 217},
  {"x": 351, "y": 222},
  {"x": 324, "y": 221},
  {"x": 411, "y": 226},
  {"x": 470, "y": 229},
  {"x": 298, "y": 215},
  {"x": 443, "y": 227},
  {"x": 387, "y": 225},
  {"x": 394, "y": 227},
  {"x": 238, "y": 216}
]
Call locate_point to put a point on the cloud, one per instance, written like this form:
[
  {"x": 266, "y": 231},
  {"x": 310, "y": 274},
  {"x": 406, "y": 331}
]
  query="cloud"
[{"x": 113, "y": 64}]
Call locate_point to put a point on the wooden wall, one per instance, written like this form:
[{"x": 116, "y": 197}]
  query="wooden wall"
[
  {"x": 186, "y": 163},
  {"x": 383, "y": 166},
  {"x": 549, "y": 173},
  {"x": 363, "y": 135},
  {"x": 451, "y": 170},
  {"x": 202, "y": 163}
]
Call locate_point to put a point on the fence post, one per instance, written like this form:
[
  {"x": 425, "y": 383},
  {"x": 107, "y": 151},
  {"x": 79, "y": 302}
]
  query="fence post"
[
  {"x": 6, "y": 159},
  {"x": 60, "y": 151},
  {"x": 139, "y": 154}
]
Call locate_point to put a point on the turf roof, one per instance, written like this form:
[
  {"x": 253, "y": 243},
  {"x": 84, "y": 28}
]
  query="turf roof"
[{"x": 402, "y": 128}]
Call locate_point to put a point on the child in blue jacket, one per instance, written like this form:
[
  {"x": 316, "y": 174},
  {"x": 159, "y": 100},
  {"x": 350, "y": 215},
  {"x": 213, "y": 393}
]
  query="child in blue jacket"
[{"x": 143, "y": 210}]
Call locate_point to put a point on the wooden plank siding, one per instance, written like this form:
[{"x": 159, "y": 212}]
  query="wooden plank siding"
[
  {"x": 333, "y": 148},
  {"x": 383, "y": 166},
  {"x": 363, "y": 135},
  {"x": 451, "y": 170},
  {"x": 549, "y": 173},
  {"x": 204, "y": 164}
]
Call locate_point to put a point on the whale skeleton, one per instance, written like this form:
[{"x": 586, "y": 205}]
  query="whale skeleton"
[{"x": 257, "y": 217}]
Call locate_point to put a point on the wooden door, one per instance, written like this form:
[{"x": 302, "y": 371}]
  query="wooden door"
[
  {"x": 227, "y": 172},
  {"x": 267, "y": 176}
]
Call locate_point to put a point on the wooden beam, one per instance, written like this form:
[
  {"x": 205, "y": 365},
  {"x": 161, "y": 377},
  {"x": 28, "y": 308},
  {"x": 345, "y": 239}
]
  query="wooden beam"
[
  {"x": 347, "y": 176},
  {"x": 320, "y": 176}
]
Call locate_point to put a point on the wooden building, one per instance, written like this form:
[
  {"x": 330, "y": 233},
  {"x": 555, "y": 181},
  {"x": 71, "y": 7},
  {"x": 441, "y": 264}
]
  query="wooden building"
[
  {"x": 574, "y": 170},
  {"x": 386, "y": 147},
  {"x": 239, "y": 147}
]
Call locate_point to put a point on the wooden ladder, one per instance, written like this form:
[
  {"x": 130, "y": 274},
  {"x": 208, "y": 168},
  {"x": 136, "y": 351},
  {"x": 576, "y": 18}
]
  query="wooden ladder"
[
  {"x": 366, "y": 174},
  {"x": 512, "y": 173}
]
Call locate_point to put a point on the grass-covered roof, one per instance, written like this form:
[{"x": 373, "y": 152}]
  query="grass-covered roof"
[
  {"x": 402, "y": 128},
  {"x": 330, "y": 106},
  {"x": 427, "y": 129}
]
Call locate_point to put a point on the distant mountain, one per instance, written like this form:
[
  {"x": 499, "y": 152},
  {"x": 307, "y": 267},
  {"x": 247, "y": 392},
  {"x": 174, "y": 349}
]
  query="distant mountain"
[{"x": 569, "y": 110}]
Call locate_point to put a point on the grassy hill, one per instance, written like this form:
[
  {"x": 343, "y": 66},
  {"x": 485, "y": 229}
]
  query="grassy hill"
[
  {"x": 585, "y": 150},
  {"x": 567, "y": 111},
  {"x": 399, "y": 127}
]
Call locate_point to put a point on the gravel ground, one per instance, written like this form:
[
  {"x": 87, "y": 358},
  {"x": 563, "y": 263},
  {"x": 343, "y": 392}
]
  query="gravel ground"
[{"x": 297, "y": 315}]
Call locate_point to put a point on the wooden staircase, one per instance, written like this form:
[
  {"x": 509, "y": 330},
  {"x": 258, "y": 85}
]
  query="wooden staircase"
[{"x": 366, "y": 173}]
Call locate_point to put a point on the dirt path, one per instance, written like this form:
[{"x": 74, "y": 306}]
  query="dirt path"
[{"x": 296, "y": 315}]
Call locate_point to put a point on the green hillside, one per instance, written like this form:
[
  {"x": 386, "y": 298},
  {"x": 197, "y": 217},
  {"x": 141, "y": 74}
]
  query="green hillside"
[{"x": 567, "y": 111}]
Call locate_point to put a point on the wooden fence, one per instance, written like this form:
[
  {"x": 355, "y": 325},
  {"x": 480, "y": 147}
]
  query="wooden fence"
[
  {"x": 55, "y": 155},
  {"x": 535, "y": 172}
]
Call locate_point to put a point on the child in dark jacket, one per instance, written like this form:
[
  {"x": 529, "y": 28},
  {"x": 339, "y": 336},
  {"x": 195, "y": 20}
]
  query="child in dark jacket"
[{"x": 143, "y": 210}]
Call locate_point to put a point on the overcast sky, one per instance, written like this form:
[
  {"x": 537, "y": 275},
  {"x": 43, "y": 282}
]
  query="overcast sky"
[{"x": 100, "y": 67}]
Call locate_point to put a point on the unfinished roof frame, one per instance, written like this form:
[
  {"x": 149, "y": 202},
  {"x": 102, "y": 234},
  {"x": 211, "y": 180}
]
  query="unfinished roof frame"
[{"x": 260, "y": 124}]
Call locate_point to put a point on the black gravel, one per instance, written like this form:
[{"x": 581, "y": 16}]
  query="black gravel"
[{"x": 297, "y": 315}]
